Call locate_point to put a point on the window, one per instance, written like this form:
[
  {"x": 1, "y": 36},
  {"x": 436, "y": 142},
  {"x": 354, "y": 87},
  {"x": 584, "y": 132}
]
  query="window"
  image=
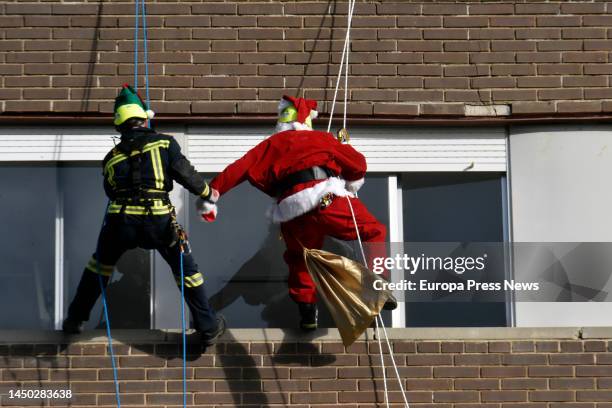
[
  {"x": 27, "y": 246},
  {"x": 454, "y": 207},
  {"x": 52, "y": 214}
]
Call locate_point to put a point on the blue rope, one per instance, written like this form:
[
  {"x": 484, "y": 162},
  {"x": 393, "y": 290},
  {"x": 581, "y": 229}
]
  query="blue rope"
[
  {"x": 106, "y": 318},
  {"x": 103, "y": 290},
  {"x": 110, "y": 338},
  {"x": 183, "y": 324},
  {"x": 146, "y": 49},
  {"x": 136, "y": 11}
]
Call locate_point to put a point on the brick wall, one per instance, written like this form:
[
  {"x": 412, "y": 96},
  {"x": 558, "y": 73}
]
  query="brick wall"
[
  {"x": 238, "y": 57},
  {"x": 542, "y": 373}
]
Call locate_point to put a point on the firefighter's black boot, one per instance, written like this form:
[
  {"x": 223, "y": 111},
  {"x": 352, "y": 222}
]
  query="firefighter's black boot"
[
  {"x": 84, "y": 300},
  {"x": 309, "y": 314},
  {"x": 208, "y": 338},
  {"x": 72, "y": 326}
]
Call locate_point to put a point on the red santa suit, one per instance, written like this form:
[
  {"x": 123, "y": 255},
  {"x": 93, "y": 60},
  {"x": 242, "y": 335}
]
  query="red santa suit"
[{"x": 304, "y": 220}]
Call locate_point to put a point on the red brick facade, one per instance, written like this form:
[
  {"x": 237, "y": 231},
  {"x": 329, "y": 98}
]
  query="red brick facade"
[
  {"x": 237, "y": 57},
  {"x": 437, "y": 374}
]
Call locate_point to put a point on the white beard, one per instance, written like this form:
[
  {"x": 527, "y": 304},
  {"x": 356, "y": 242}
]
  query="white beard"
[{"x": 282, "y": 126}]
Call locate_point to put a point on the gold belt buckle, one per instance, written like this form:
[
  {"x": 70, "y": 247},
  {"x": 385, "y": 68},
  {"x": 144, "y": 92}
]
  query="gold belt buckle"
[{"x": 326, "y": 200}]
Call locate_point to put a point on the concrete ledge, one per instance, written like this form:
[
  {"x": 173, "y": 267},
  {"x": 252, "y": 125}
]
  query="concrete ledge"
[
  {"x": 322, "y": 335},
  {"x": 596, "y": 333}
]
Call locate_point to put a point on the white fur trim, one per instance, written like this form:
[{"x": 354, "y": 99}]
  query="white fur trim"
[
  {"x": 204, "y": 206},
  {"x": 283, "y": 126},
  {"x": 306, "y": 200},
  {"x": 300, "y": 126},
  {"x": 355, "y": 185},
  {"x": 314, "y": 114}
]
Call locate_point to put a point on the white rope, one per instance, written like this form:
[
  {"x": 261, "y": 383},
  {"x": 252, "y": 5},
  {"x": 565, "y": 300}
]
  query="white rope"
[
  {"x": 382, "y": 323},
  {"x": 382, "y": 363},
  {"x": 347, "y": 40},
  {"x": 345, "y": 55},
  {"x": 346, "y": 66},
  {"x": 365, "y": 261},
  {"x": 399, "y": 380}
]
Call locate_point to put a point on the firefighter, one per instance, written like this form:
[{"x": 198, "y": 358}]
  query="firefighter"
[
  {"x": 138, "y": 174},
  {"x": 310, "y": 173}
]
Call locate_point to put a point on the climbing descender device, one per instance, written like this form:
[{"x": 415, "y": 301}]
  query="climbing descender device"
[
  {"x": 343, "y": 136},
  {"x": 183, "y": 241}
]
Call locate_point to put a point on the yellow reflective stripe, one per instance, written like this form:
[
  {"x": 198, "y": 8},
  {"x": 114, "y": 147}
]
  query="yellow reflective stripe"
[
  {"x": 194, "y": 280},
  {"x": 193, "y": 285},
  {"x": 109, "y": 169},
  {"x": 149, "y": 146},
  {"x": 154, "y": 145},
  {"x": 191, "y": 281},
  {"x": 121, "y": 156},
  {"x": 138, "y": 211},
  {"x": 205, "y": 192},
  {"x": 105, "y": 270},
  {"x": 116, "y": 159},
  {"x": 156, "y": 209},
  {"x": 158, "y": 170},
  {"x": 110, "y": 176}
]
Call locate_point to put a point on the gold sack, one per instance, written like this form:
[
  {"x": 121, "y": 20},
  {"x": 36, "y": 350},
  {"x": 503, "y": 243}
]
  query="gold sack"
[{"x": 347, "y": 287}]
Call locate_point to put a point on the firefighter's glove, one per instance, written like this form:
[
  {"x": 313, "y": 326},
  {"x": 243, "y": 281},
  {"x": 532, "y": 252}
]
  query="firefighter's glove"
[
  {"x": 354, "y": 186},
  {"x": 207, "y": 207}
]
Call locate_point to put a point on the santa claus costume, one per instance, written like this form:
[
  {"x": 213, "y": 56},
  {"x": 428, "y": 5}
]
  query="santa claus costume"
[{"x": 311, "y": 174}]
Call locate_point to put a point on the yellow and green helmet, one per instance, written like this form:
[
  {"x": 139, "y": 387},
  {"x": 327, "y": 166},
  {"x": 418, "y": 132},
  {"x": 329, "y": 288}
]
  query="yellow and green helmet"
[
  {"x": 128, "y": 104},
  {"x": 297, "y": 111}
]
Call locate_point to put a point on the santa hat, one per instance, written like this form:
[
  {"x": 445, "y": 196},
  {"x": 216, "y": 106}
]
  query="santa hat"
[
  {"x": 297, "y": 111},
  {"x": 129, "y": 104}
]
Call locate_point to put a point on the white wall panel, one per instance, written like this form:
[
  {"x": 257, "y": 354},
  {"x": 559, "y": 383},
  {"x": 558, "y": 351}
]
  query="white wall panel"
[
  {"x": 386, "y": 149},
  {"x": 55, "y": 143},
  {"x": 560, "y": 189},
  {"x": 211, "y": 148}
]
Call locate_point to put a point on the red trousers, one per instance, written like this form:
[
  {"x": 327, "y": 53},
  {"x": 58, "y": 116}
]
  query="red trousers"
[{"x": 310, "y": 229}]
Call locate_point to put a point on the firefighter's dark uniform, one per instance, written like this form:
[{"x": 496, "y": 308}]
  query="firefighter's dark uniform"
[{"x": 138, "y": 175}]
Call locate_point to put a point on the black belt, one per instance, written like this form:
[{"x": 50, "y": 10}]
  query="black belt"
[{"x": 303, "y": 176}]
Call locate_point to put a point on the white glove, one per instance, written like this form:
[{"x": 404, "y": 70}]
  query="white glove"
[
  {"x": 207, "y": 207},
  {"x": 354, "y": 186}
]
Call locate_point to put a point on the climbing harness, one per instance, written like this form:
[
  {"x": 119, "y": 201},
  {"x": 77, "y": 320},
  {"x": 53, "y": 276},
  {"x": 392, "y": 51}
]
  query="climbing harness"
[{"x": 343, "y": 137}]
